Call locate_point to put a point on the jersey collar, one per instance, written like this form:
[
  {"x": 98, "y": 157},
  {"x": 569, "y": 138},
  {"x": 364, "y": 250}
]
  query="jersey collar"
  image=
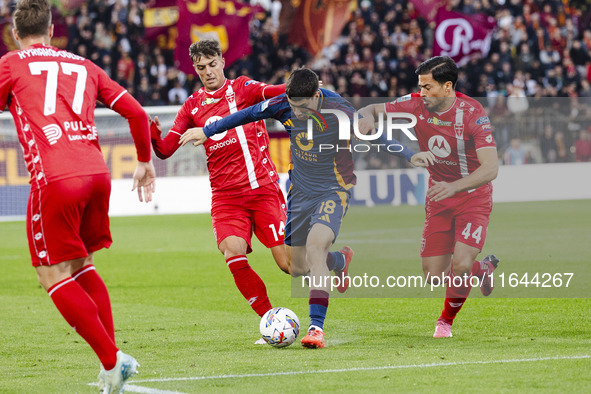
[
  {"x": 224, "y": 85},
  {"x": 450, "y": 107}
]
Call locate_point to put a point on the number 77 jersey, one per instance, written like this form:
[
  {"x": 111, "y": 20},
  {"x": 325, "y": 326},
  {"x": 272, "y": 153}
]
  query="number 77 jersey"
[{"x": 52, "y": 96}]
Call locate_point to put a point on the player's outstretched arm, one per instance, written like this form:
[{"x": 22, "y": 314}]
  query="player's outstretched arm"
[
  {"x": 367, "y": 118},
  {"x": 251, "y": 114},
  {"x": 144, "y": 180}
]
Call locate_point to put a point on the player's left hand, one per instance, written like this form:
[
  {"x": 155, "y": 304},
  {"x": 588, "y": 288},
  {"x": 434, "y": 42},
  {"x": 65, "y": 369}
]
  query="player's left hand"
[
  {"x": 440, "y": 191},
  {"x": 422, "y": 159},
  {"x": 196, "y": 133}
]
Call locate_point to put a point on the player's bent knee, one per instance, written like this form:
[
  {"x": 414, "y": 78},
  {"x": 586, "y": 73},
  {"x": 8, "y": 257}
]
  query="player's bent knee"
[
  {"x": 299, "y": 271},
  {"x": 462, "y": 267},
  {"x": 283, "y": 266}
]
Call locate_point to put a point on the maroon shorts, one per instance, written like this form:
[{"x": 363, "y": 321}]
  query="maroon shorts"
[
  {"x": 68, "y": 219},
  {"x": 261, "y": 210},
  {"x": 457, "y": 219}
]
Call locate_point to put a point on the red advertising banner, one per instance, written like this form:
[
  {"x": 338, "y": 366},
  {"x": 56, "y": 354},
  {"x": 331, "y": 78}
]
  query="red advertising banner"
[
  {"x": 319, "y": 23},
  {"x": 428, "y": 8},
  {"x": 459, "y": 36},
  {"x": 223, "y": 20}
]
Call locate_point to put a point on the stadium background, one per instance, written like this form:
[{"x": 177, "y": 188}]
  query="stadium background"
[
  {"x": 173, "y": 301},
  {"x": 531, "y": 74}
]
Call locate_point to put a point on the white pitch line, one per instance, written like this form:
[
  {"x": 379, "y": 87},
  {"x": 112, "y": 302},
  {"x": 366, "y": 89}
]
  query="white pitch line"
[
  {"x": 385, "y": 367},
  {"x": 146, "y": 390}
]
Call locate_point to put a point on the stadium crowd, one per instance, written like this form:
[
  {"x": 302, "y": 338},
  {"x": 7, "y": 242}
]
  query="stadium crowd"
[{"x": 539, "y": 59}]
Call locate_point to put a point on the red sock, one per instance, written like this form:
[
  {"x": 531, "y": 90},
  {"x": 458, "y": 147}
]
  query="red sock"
[
  {"x": 250, "y": 284},
  {"x": 455, "y": 297},
  {"x": 477, "y": 270},
  {"x": 93, "y": 285},
  {"x": 81, "y": 313}
]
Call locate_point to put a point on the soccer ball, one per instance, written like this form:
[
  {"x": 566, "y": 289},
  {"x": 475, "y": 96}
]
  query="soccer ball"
[{"x": 280, "y": 327}]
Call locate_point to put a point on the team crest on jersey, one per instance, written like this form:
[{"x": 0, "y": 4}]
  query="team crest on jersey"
[
  {"x": 230, "y": 96},
  {"x": 319, "y": 124},
  {"x": 482, "y": 120},
  {"x": 438, "y": 122},
  {"x": 459, "y": 129},
  {"x": 210, "y": 100}
]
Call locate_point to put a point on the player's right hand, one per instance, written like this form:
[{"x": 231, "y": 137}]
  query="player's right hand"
[
  {"x": 422, "y": 159},
  {"x": 195, "y": 133},
  {"x": 144, "y": 180}
]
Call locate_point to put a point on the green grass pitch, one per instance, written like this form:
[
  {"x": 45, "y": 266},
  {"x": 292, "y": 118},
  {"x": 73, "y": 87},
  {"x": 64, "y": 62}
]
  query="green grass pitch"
[{"x": 179, "y": 313}]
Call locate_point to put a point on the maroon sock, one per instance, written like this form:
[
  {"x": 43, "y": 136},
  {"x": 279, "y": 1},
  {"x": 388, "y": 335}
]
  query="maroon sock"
[
  {"x": 93, "y": 284},
  {"x": 81, "y": 313},
  {"x": 250, "y": 284},
  {"x": 455, "y": 297}
]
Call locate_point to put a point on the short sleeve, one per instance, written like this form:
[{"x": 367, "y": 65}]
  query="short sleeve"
[{"x": 481, "y": 130}]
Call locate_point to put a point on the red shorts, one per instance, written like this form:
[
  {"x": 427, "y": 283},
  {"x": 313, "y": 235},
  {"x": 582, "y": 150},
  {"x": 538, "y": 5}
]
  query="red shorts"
[
  {"x": 457, "y": 219},
  {"x": 68, "y": 219},
  {"x": 261, "y": 210}
]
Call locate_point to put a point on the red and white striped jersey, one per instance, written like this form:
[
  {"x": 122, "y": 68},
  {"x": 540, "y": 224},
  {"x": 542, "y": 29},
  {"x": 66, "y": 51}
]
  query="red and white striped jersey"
[
  {"x": 52, "y": 96},
  {"x": 453, "y": 136},
  {"x": 238, "y": 159}
]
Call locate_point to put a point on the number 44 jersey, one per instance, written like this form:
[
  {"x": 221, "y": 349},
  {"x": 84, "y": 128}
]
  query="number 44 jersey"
[{"x": 52, "y": 96}]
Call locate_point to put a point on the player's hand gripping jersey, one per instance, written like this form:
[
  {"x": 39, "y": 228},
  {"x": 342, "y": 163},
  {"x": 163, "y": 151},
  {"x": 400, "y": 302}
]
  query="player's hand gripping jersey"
[
  {"x": 317, "y": 166},
  {"x": 57, "y": 91},
  {"x": 453, "y": 136},
  {"x": 238, "y": 160}
]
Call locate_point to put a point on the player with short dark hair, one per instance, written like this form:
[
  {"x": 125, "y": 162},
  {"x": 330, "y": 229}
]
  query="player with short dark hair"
[
  {"x": 246, "y": 196},
  {"x": 456, "y": 129},
  {"x": 52, "y": 96},
  {"x": 321, "y": 182}
]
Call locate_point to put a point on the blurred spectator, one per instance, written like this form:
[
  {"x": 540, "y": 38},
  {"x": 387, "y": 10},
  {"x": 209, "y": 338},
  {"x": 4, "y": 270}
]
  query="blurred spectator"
[
  {"x": 126, "y": 69},
  {"x": 549, "y": 57},
  {"x": 583, "y": 146},
  {"x": 516, "y": 99},
  {"x": 548, "y": 145},
  {"x": 515, "y": 154},
  {"x": 159, "y": 71},
  {"x": 177, "y": 95},
  {"x": 539, "y": 49},
  {"x": 562, "y": 153}
]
